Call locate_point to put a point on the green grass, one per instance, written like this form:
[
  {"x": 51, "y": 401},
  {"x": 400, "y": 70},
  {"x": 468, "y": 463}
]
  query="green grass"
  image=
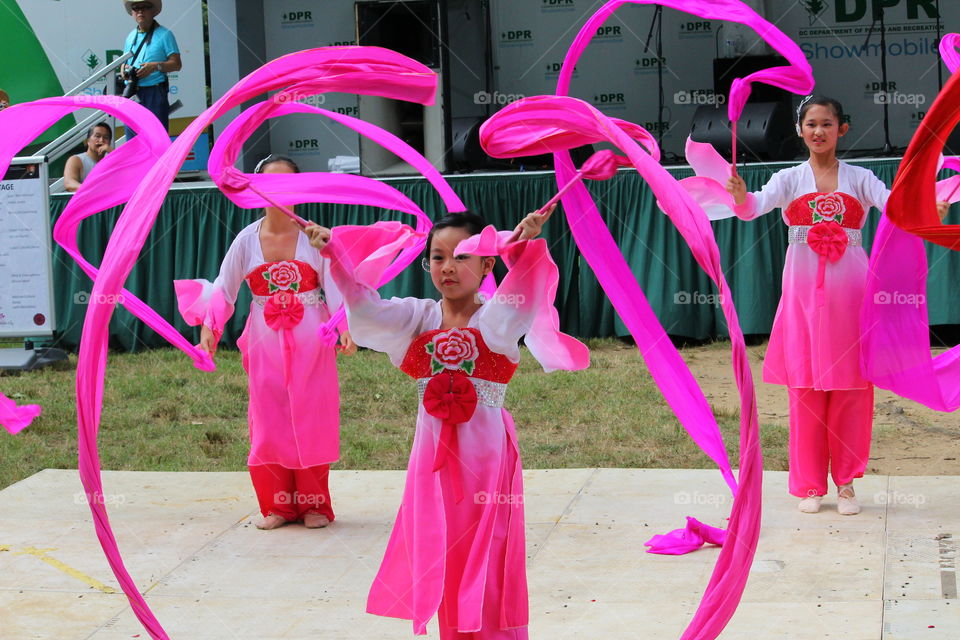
[{"x": 160, "y": 414}]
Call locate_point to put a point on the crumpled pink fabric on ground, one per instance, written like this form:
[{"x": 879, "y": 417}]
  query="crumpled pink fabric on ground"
[{"x": 15, "y": 418}]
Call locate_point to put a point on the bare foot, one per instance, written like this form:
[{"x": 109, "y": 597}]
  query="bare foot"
[
  {"x": 315, "y": 520},
  {"x": 272, "y": 521}
]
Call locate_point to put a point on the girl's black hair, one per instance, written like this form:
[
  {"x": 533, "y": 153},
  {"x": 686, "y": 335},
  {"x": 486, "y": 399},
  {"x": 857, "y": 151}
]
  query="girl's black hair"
[
  {"x": 270, "y": 159},
  {"x": 822, "y": 101},
  {"x": 473, "y": 223}
]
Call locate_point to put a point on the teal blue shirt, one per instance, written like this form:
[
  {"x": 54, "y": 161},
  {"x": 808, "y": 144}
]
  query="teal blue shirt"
[{"x": 160, "y": 47}]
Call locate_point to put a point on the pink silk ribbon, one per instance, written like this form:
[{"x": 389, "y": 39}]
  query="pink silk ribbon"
[
  {"x": 251, "y": 190},
  {"x": 362, "y": 70},
  {"x": 729, "y": 578},
  {"x": 15, "y": 418},
  {"x": 895, "y": 345}
]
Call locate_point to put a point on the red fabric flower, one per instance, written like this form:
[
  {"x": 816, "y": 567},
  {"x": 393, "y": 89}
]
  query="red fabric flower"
[
  {"x": 828, "y": 239},
  {"x": 828, "y": 207},
  {"x": 454, "y": 349},
  {"x": 282, "y": 276},
  {"x": 450, "y": 397},
  {"x": 283, "y": 310}
]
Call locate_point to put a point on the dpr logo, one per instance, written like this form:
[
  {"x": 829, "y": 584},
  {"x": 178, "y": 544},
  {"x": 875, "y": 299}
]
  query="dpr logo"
[
  {"x": 551, "y": 6},
  {"x": 348, "y": 111},
  {"x": 855, "y": 10},
  {"x": 648, "y": 64},
  {"x": 552, "y": 70},
  {"x": 516, "y": 38},
  {"x": 296, "y": 19},
  {"x": 343, "y": 43},
  {"x": 814, "y": 9},
  {"x": 609, "y": 33},
  {"x": 697, "y": 29},
  {"x": 656, "y": 127},
  {"x": 610, "y": 100},
  {"x": 304, "y": 144}
]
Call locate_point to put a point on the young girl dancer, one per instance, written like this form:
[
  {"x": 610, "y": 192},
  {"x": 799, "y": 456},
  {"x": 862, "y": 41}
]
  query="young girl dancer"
[
  {"x": 294, "y": 396},
  {"x": 814, "y": 346},
  {"x": 457, "y": 546}
]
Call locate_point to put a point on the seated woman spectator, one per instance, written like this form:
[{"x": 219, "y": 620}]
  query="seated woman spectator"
[{"x": 99, "y": 138}]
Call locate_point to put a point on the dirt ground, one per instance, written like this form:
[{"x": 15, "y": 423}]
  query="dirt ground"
[{"x": 908, "y": 438}]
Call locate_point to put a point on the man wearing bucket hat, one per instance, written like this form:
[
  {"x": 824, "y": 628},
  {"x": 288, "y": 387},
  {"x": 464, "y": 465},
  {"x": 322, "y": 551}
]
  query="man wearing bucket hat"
[{"x": 155, "y": 55}]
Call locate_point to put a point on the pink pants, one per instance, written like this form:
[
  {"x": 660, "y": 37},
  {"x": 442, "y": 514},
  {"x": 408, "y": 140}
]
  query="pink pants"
[
  {"x": 828, "y": 429},
  {"x": 291, "y": 493}
]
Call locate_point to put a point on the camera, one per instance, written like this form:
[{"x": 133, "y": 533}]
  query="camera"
[{"x": 128, "y": 89}]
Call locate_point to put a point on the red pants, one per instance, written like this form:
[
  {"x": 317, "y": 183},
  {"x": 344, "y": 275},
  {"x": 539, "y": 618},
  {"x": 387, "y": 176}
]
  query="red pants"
[
  {"x": 290, "y": 493},
  {"x": 828, "y": 429}
]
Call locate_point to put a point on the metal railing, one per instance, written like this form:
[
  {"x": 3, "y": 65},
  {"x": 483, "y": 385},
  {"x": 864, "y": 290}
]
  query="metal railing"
[{"x": 68, "y": 140}]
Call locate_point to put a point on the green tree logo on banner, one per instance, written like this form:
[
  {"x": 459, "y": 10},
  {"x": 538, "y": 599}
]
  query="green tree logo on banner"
[
  {"x": 91, "y": 60},
  {"x": 814, "y": 8}
]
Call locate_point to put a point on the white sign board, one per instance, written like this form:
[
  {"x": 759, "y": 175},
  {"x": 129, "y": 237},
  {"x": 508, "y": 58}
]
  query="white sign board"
[{"x": 26, "y": 289}]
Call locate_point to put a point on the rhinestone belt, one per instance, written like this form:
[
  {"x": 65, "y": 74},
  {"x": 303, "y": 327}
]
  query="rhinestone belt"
[
  {"x": 797, "y": 234},
  {"x": 312, "y": 297},
  {"x": 491, "y": 394}
]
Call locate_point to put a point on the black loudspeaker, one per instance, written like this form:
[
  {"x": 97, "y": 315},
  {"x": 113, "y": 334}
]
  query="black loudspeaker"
[
  {"x": 726, "y": 69},
  {"x": 411, "y": 28},
  {"x": 765, "y": 131}
]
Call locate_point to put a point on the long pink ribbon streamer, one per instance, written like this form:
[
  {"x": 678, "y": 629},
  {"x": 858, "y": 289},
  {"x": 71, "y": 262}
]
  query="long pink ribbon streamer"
[
  {"x": 256, "y": 190},
  {"x": 895, "y": 341},
  {"x": 364, "y": 70},
  {"x": 729, "y": 578}
]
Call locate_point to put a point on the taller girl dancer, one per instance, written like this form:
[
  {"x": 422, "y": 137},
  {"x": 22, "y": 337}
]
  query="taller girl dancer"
[{"x": 814, "y": 346}]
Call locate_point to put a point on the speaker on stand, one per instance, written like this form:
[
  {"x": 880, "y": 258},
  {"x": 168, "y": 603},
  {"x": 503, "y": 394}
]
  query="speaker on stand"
[
  {"x": 765, "y": 131},
  {"x": 448, "y": 36}
]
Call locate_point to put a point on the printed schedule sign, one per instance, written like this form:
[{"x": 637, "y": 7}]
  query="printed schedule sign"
[{"x": 26, "y": 307}]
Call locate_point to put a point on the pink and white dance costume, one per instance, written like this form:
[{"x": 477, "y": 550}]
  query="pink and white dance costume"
[
  {"x": 457, "y": 547},
  {"x": 815, "y": 343},
  {"x": 294, "y": 410}
]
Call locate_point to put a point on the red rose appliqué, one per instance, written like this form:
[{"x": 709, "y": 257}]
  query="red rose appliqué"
[
  {"x": 828, "y": 208},
  {"x": 453, "y": 349},
  {"x": 282, "y": 276}
]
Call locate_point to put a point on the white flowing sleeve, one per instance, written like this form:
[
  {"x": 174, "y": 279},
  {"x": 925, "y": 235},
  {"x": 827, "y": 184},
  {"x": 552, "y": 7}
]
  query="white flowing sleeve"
[
  {"x": 212, "y": 304},
  {"x": 873, "y": 192},
  {"x": 390, "y": 325},
  {"x": 233, "y": 269},
  {"x": 776, "y": 194}
]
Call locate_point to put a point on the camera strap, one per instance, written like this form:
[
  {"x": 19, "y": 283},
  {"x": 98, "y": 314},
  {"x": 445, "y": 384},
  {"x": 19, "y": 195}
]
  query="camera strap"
[{"x": 146, "y": 38}]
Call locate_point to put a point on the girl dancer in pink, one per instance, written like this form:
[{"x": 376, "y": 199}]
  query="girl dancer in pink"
[
  {"x": 294, "y": 396},
  {"x": 457, "y": 547},
  {"x": 815, "y": 343}
]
